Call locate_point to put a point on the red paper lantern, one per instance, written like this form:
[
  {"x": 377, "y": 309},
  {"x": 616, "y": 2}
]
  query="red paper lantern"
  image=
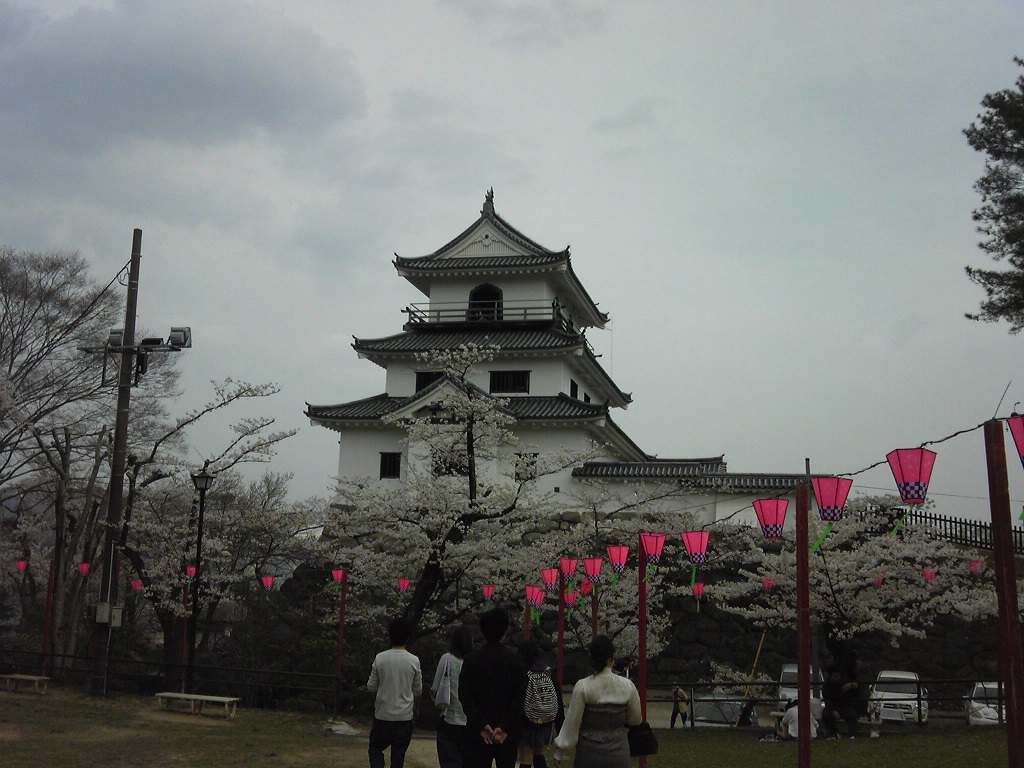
[
  {"x": 586, "y": 587},
  {"x": 878, "y": 580},
  {"x": 767, "y": 584},
  {"x": 698, "y": 589},
  {"x": 912, "y": 469},
  {"x": 696, "y": 543},
  {"x": 617, "y": 554},
  {"x": 652, "y": 543},
  {"x": 975, "y": 566},
  {"x": 267, "y": 581},
  {"x": 830, "y": 494},
  {"x": 83, "y": 568},
  {"x": 568, "y": 565},
  {"x": 592, "y": 566},
  {"x": 21, "y": 565},
  {"x": 929, "y": 574},
  {"x": 570, "y": 596},
  {"x": 190, "y": 571},
  {"x": 771, "y": 514},
  {"x": 488, "y": 590},
  {"x": 338, "y": 574},
  {"x": 403, "y": 584},
  {"x": 136, "y": 584},
  {"x": 534, "y": 595},
  {"x": 550, "y": 577}
]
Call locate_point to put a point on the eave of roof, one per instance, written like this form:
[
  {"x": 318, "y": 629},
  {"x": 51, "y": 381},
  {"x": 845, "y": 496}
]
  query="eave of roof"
[{"x": 525, "y": 409}]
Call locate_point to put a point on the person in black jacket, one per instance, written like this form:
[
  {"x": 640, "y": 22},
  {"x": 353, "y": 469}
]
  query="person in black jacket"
[
  {"x": 840, "y": 695},
  {"x": 492, "y": 688}
]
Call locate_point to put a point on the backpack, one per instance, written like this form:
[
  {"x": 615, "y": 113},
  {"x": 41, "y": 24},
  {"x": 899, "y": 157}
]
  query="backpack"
[{"x": 541, "y": 704}]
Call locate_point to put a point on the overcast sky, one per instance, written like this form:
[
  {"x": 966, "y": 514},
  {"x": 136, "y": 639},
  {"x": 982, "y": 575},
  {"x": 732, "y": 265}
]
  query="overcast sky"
[{"x": 771, "y": 199}]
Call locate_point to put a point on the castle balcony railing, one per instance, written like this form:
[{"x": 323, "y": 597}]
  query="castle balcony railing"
[{"x": 499, "y": 312}]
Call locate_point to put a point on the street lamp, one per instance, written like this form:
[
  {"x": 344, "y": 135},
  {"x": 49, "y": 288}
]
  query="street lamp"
[{"x": 202, "y": 480}]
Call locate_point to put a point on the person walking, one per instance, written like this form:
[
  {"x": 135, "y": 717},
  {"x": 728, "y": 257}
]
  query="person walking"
[
  {"x": 397, "y": 681},
  {"x": 451, "y": 727},
  {"x": 680, "y": 705},
  {"x": 491, "y": 689},
  {"x": 601, "y": 707}
]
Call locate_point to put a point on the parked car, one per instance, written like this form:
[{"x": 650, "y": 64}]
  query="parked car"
[
  {"x": 983, "y": 705},
  {"x": 895, "y": 696},
  {"x": 788, "y": 689}
]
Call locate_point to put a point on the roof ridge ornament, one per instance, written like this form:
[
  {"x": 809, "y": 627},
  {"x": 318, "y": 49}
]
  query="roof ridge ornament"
[{"x": 488, "y": 209}]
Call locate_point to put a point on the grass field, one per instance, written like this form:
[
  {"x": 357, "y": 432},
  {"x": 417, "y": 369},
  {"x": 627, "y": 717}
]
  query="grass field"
[{"x": 73, "y": 729}]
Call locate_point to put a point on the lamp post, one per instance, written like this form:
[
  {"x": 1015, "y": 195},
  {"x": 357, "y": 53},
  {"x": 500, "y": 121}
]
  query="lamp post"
[{"x": 203, "y": 480}]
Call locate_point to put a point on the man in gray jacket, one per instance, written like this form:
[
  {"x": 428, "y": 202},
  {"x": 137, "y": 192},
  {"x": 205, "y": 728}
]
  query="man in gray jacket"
[{"x": 398, "y": 682}]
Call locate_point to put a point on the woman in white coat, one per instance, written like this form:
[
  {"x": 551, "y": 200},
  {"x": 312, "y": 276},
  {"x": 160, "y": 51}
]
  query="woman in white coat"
[{"x": 603, "y": 704}]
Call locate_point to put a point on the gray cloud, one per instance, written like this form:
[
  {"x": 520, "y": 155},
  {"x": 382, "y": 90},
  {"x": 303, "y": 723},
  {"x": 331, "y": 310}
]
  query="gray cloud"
[
  {"x": 527, "y": 23},
  {"x": 181, "y": 72}
]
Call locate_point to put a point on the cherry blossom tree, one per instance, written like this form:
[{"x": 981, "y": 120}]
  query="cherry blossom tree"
[
  {"x": 470, "y": 511},
  {"x": 862, "y": 579}
]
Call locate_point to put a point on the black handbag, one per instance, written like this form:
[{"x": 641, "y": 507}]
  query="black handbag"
[{"x": 642, "y": 740}]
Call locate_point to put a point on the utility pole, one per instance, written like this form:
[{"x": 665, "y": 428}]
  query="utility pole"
[{"x": 115, "y": 495}]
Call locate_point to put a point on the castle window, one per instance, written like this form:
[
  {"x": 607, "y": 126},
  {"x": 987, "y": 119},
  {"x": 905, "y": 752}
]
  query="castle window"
[
  {"x": 510, "y": 382},
  {"x": 574, "y": 389},
  {"x": 390, "y": 465},
  {"x": 425, "y": 378},
  {"x": 484, "y": 303}
]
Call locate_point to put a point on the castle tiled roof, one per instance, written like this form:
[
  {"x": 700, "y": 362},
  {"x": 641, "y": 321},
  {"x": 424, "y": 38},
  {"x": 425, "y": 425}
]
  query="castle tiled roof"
[
  {"x": 554, "y": 408},
  {"x": 707, "y": 473},
  {"x": 426, "y": 339},
  {"x": 534, "y": 340}
]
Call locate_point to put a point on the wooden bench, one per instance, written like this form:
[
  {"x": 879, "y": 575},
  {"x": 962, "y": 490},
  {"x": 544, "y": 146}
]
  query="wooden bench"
[
  {"x": 196, "y": 701},
  {"x": 14, "y": 681}
]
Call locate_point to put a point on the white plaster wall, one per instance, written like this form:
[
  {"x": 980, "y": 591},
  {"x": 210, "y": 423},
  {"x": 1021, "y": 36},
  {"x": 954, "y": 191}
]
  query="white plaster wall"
[
  {"x": 359, "y": 452},
  {"x": 548, "y": 376},
  {"x": 512, "y": 289}
]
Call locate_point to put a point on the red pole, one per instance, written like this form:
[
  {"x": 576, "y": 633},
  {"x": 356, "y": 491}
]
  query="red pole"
[
  {"x": 593, "y": 610},
  {"x": 1011, "y": 668},
  {"x": 642, "y": 632},
  {"x": 184, "y": 635},
  {"x": 341, "y": 638},
  {"x": 526, "y": 623},
  {"x": 47, "y": 620},
  {"x": 803, "y": 628},
  {"x": 561, "y": 626}
]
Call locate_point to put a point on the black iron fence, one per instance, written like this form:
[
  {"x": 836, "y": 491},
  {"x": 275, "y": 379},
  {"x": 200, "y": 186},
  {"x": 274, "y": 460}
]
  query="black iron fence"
[
  {"x": 957, "y": 530},
  {"x": 698, "y": 703}
]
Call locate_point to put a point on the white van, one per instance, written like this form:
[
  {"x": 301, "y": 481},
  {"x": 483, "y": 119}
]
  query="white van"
[
  {"x": 788, "y": 689},
  {"x": 895, "y": 696}
]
